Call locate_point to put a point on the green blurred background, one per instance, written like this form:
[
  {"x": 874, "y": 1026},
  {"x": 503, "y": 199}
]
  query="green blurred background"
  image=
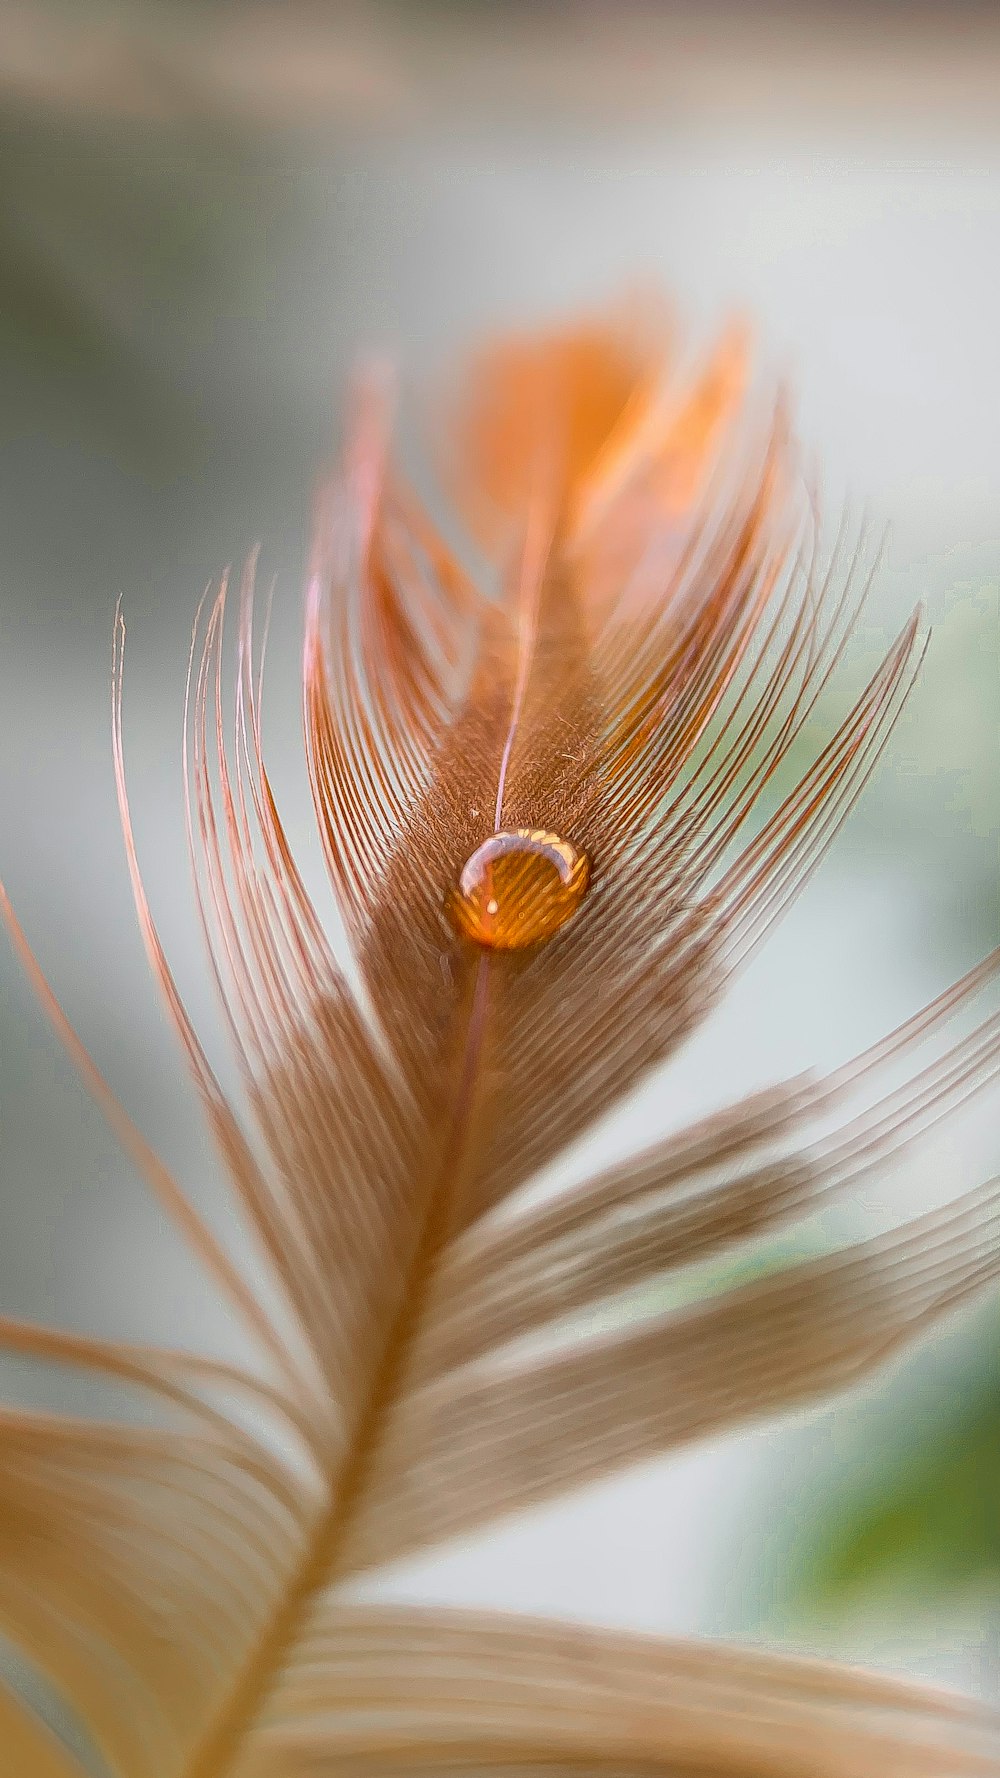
[{"x": 206, "y": 213}]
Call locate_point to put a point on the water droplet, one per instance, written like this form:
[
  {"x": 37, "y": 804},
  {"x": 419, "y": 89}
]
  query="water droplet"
[{"x": 518, "y": 888}]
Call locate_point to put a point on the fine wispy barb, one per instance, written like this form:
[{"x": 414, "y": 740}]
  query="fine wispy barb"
[{"x": 558, "y": 811}]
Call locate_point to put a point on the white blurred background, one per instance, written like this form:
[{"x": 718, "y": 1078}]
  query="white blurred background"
[{"x": 205, "y": 215}]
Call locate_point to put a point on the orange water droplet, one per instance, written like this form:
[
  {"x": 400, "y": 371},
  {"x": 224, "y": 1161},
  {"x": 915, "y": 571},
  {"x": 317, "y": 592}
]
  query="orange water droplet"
[{"x": 518, "y": 888}]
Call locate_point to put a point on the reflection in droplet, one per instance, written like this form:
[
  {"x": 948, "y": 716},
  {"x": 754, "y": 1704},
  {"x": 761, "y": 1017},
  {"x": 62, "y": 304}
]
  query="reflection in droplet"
[{"x": 518, "y": 888}]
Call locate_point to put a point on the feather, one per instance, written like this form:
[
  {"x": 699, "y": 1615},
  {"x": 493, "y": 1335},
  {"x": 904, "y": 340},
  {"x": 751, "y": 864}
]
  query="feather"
[
  {"x": 557, "y": 815},
  {"x": 455, "y": 1691}
]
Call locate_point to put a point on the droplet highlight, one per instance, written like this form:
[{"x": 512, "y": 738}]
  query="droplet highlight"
[{"x": 518, "y": 888}]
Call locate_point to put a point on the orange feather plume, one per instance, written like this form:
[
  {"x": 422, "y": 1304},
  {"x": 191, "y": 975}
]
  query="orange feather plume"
[{"x": 557, "y": 815}]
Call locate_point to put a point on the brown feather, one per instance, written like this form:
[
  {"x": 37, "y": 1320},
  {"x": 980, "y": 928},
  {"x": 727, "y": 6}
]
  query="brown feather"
[{"x": 637, "y": 691}]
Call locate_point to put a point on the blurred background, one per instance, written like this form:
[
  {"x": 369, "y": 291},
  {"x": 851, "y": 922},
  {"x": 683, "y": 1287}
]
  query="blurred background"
[{"x": 206, "y": 213}]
